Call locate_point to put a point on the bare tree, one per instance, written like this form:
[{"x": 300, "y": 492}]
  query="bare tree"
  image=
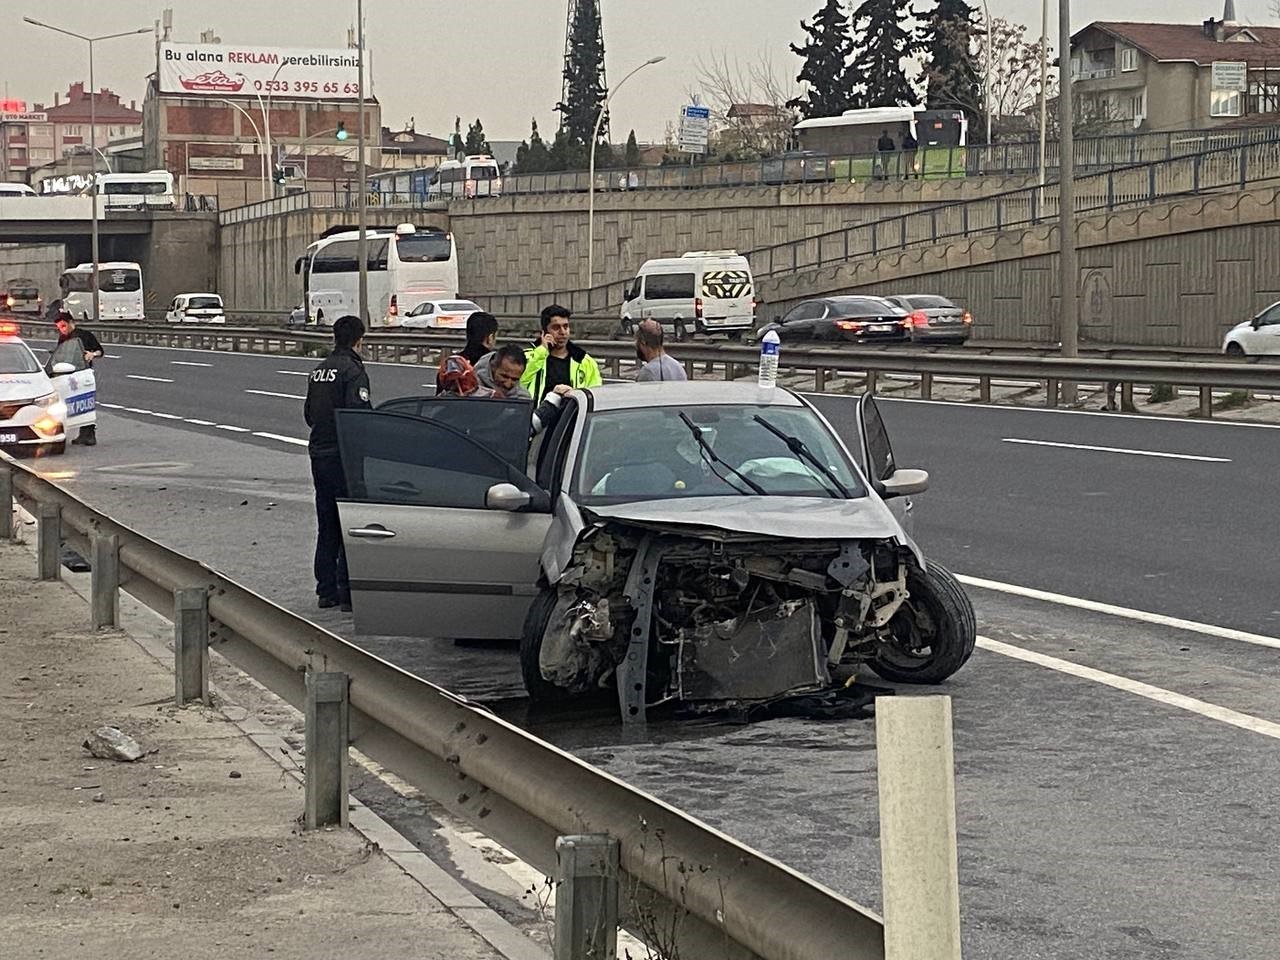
[{"x": 748, "y": 103}]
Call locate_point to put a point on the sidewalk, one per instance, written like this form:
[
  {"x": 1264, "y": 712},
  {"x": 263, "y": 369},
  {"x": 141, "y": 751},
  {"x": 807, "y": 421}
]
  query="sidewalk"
[{"x": 192, "y": 851}]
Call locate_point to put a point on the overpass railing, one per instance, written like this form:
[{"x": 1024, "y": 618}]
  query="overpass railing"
[
  {"x": 340, "y": 199},
  {"x": 928, "y": 163},
  {"x": 1124, "y": 187}
]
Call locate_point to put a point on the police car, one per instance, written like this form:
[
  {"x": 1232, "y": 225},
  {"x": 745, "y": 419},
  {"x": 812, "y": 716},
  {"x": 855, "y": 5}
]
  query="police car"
[{"x": 39, "y": 406}]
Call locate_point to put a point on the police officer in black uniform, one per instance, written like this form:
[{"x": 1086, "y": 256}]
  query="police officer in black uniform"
[{"x": 339, "y": 383}]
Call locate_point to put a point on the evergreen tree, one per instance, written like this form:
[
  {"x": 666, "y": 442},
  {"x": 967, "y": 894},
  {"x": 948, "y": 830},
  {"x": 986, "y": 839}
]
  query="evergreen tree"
[
  {"x": 950, "y": 65},
  {"x": 532, "y": 155},
  {"x": 477, "y": 142},
  {"x": 829, "y": 84},
  {"x": 584, "y": 90},
  {"x": 632, "y": 157},
  {"x": 882, "y": 43}
]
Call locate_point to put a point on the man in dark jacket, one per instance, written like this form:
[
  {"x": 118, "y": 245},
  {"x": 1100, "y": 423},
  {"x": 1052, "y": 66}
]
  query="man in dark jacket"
[
  {"x": 339, "y": 383},
  {"x": 92, "y": 347}
]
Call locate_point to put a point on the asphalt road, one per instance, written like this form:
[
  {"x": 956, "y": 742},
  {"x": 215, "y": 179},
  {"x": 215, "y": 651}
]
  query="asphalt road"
[{"x": 1099, "y": 815}]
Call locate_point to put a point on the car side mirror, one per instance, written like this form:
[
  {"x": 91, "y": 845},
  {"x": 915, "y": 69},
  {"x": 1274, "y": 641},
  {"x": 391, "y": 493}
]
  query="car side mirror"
[
  {"x": 509, "y": 497},
  {"x": 62, "y": 369},
  {"x": 903, "y": 483},
  {"x": 1256, "y": 323}
]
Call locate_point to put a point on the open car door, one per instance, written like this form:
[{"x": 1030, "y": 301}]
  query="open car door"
[
  {"x": 443, "y": 531},
  {"x": 77, "y": 389}
]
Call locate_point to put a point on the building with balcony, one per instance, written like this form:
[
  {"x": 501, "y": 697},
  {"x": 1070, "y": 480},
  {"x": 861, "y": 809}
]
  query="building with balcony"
[
  {"x": 39, "y": 136},
  {"x": 1173, "y": 76}
]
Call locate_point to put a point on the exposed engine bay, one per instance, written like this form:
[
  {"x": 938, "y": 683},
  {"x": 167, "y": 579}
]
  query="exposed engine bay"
[{"x": 709, "y": 617}]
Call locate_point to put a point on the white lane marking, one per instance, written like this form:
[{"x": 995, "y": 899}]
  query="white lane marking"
[
  {"x": 1202, "y": 708},
  {"x": 189, "y": 363},
  {"x": 165, "y": 416},
  {"x": 296, "y": 441},
  {"x": 135, "y": 376},
  {"x": 145, "y": 413},
  {"x": 199, "y": 423},
  {"x": 1095, "y": 606},
  {"x": 282, "y": 396},
  {"x": 1125, "y": 450},
  {"x": 1079, "y": 413},
  {"x": 295, "y": 373},
  {"x": 110, "y": 406},
  {"x": 233, "y": 429},
  {"x": 111, "y": 356}
]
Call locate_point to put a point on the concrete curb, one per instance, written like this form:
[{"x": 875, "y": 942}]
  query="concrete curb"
[{"x": 472, "y": 912}]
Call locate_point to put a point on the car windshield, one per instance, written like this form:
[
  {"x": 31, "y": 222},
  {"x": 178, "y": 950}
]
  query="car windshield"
[
  {"x": 650, "y": 453},
  {"x": 205, "y": 303},
  {"x": 16, "y": 358},
  {"x": 929, "y": 303}
]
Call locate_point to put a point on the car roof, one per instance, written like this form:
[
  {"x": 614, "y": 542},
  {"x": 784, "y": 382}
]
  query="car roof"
[
  {"x": 218, "y": 295},
  {"x": 630, "y": 396}
]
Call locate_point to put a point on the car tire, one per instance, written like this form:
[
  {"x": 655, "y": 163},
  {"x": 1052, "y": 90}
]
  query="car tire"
[
  {"x": 735, "y": 336},
  {"x": 1235, "y": 350},
  {"x": 540, "y": 690},
  {"x": 938, "y": 614}
]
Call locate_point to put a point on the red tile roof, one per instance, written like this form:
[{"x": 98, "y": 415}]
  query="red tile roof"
[{"x": 1187, "y": 41}]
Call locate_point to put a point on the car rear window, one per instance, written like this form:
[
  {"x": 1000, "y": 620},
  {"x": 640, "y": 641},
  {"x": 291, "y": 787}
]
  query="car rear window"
[
  {"x": 669, "y": 286},
  {"x": 424, "y": 248},
  {"x": 863, "y": 306},
  {"x": 929, "y": 303},
  {"x": 459, "y": 305},
  {"x": 205, "y": 303},
  {"x": 25, "y": 293},
  {"x": 16, "y": 358}
]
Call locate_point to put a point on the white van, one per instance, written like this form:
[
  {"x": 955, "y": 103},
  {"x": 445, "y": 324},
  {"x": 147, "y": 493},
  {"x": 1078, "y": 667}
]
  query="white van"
[
  {"x": 707, "y": 291},
  {"x": 16, "y": 190}
]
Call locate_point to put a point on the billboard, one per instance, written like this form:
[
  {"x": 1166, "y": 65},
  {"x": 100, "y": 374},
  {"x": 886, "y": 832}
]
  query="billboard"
[{"x": 248, "y": 70}]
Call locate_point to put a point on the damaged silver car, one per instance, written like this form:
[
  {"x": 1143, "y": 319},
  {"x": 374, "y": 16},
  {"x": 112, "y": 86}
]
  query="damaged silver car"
[{"x": 707, "y": 544}]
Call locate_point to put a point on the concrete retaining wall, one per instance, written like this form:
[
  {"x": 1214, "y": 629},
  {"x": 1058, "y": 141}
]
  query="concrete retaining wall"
[
  {"x": 1179, "y": 273},
  {"x": 41, "y": 262}
]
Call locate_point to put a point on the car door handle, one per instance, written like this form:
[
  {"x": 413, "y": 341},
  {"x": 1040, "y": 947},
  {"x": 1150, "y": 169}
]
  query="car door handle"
[{"x": 372, "y": 532}]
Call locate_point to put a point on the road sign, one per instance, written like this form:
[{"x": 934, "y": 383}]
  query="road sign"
[{"x": 695, "y": 126}]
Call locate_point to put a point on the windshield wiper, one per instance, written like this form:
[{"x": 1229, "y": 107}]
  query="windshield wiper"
[
  {"x": 796, "y": 446},
  {"x": 710, "y": 456}
]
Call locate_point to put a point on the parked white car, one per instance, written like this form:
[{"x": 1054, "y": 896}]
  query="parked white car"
[
  {"x": 440, "y": 315},
  {"x": 39, "y": 405},
  {"x": 1257, "y": 337},
  {"x": 196, "y": 308}
]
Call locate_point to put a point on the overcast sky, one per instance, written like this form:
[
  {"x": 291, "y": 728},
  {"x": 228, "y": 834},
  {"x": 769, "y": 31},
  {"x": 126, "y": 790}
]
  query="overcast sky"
[{"x": 499, "y": 60}]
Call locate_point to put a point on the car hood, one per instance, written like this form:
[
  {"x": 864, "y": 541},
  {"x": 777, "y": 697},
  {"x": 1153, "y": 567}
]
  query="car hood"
[
  {"x": 793, "y": 518},
  {"x": 23, "y": 386}
]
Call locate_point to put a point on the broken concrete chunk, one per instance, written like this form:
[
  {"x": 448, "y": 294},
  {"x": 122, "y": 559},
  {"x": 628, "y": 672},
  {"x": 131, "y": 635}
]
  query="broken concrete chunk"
[{"x": 112, "y": 743}]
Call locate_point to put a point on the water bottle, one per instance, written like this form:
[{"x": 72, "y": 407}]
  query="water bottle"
[{"x": 769, "y": 346}]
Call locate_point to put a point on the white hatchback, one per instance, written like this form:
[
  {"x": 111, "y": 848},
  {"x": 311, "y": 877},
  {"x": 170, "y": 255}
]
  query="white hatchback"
[
  {"x": 196, "y": 308},
  {"x": 33, "y": 412},
  {"x": 1257, "y": 337}
]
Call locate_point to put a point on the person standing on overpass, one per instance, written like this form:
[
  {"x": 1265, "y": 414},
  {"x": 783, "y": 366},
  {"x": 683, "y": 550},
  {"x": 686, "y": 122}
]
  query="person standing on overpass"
[
  {"x": 339, "y": 383},
  {"x": 556, "y": 359},
  {"x": 656, "y": 363}
]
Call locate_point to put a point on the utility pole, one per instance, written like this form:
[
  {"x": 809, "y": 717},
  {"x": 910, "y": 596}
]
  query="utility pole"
[
  {"x": 362, "y": 245},
  {"x": 1068, "y": 270},
  {"x": 1044, "y": 86}
]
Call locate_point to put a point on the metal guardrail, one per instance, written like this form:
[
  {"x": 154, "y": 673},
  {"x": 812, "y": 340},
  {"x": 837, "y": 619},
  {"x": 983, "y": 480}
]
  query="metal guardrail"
[
  {"x": 1234, "y": 167},
  {"x": 330, "y": 200},
  {"x": 713, "y": 896},
  {"x": 928, "y": 163},
  {"x": 822, "y": 362}
]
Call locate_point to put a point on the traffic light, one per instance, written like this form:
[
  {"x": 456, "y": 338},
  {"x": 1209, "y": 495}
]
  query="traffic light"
[
  {"x": 342, "y": 130},
  {"x": 278, "y": 174}
]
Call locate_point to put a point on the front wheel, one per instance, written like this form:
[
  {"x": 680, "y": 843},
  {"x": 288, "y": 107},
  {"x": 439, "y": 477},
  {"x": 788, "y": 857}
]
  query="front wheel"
[
  {"x": 536, "y": 621},
  {"x": 1235, "y": 350},
  {"x": 933, "y": 633},
  {"x": 628, "y": 327}
]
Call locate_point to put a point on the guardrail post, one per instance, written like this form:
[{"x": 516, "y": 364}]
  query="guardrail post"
[
  {"x": 871, "y": 381},
  {"x": 327, "y": 738},
  {"x": 984, "y": 389},
  {"x": 49, "y": 540},
  {"x": 104, "y": 580},
  {"x": 819, "y": 380},
  {"x": 918, "y": 864},
  {"x": 926, "y": 386},
  {"x": 1126, "y": 397},
  {"x": 6, "y": 502},
  {"x": 190, "y": 645},
  {"x": 1051, "y": 393},
  {"x": 586, "y": 897},
  {"x": 1206, "y": 402}
]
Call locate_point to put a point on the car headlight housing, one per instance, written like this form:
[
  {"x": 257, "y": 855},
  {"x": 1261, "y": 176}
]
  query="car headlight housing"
[{"x": 48, "y": 400}]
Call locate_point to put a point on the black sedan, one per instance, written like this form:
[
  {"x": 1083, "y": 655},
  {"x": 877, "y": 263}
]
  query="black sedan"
[
  {"x": 856, "y": 319},
  {"x": 935, "y": 318}
]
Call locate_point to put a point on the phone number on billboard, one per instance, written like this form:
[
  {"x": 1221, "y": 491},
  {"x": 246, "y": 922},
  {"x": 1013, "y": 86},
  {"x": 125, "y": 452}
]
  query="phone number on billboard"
[{"x": 305, "y": 86}]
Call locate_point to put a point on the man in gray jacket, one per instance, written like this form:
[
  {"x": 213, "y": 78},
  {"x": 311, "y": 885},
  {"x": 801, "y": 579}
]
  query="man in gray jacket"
[{"x": 500, "y": 372}]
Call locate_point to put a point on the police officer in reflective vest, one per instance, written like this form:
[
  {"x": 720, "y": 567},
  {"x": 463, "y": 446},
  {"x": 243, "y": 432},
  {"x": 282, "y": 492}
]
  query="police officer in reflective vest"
[{"x": 339, "y": 383}]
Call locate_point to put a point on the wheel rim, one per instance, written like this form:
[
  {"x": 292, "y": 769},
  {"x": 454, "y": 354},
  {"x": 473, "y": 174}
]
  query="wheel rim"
[{"x": 915, "y": 630}]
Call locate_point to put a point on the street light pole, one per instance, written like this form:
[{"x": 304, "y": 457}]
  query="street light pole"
[
  {"x": 986, "y": 73},
  {"x": 1044, "y": 83},
  {"x": 591, "y": 174},
  {"x": 362, "y": 244},
  {"x": 93, "y": 141},
  {"x": 1069, "y": 279},
  {"x": 262, "y": 147}
]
